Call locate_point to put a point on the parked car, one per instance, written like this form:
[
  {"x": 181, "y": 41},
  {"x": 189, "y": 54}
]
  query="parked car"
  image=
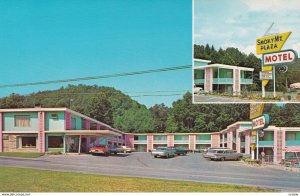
[
  {"x": 115, "y": 149},
  {"x": 100, "y": 149},
  {"x": 197, "y": 90},
  {"x": 163, "y": 152},
  {"x": 211, "y": 151},
  {"x": 223, "y": 155},
  {"x": 127, "y": 149},
  {"x": 179, "y": 151}
]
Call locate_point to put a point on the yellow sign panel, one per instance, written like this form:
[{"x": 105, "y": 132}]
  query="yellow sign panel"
[
  {"x": 266, "y": 68},
  {"x": 271, "y": 43},
  {"x": 256, "y": 109},
  {"x": 253, "y": 146},
  {"x": 253, "y": 133}
]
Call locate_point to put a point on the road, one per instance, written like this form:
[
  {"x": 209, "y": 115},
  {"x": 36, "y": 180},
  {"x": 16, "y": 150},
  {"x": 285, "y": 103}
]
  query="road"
[
  {"x": 222, "y": 99},
  {"x": 190, "y": 168}
]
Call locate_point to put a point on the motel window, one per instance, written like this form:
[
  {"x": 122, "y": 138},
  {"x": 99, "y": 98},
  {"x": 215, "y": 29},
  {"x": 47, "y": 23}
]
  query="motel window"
[
  {"x": 293, "y": 136},
  {"x": 22, "y": 121},
  {"x": 55, "y": 142},
  {"x": 292, "y": 155},
  {"x": 28, "y": 142}
]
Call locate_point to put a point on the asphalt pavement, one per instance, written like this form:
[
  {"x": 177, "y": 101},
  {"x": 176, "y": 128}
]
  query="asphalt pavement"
[
  {"x": 202, "y": 98},
  {"x": 192, "y": 167}
]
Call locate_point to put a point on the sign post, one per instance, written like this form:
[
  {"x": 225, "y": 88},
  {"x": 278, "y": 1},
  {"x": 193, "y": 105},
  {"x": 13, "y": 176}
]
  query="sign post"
[
  {"x": 259, "y": 123},
  {"x": 271, "y": 44}
]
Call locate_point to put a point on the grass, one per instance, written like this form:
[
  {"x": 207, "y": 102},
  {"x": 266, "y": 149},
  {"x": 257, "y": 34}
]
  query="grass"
[
  {"x": 31, "y": 180},
  {"x": 22, "y": 154}
]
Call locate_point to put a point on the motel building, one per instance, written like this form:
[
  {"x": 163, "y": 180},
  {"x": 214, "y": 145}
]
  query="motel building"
[
  {"x": 277, "y": 142},
  {"x": 221, "y": 78},
  {"x": 62, "y": 129},
  {"x": 53, "y": 129}
]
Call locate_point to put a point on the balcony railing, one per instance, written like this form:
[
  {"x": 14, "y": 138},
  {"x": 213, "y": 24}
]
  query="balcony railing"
[
  {"x": 243, "y": 144},
  {"x": 181, "y": 141},
  {"x": 292, "y": 143},
  {"x": 199, "y": 81},
  {"x": 140, "y": 141},
  {"x": 203, "y": 141},
  {"x": 159, "y": 141},
  {"x": 265, "y": 143},
  {"x": 246, "y": 81},
  {"x": 223, "y": 81}
]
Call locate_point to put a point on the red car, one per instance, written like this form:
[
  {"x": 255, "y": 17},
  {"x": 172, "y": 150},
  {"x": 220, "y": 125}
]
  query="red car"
[{"x": 100, "y": 149}]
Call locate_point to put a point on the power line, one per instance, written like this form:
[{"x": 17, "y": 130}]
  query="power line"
[
  {"x": 95, "y": 93},
  {"x": 98, "y": 77}
]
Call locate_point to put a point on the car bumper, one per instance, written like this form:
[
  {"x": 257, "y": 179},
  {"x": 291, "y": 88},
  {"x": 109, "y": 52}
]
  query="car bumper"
[
  {"x": 97, "y": 152},
  {"x": 159, "y": 154}
]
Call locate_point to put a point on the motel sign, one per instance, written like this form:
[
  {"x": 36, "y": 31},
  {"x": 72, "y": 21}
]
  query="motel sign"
[
  {"x": 260, "y": 122},
  {"x": 285, "y": 56}
]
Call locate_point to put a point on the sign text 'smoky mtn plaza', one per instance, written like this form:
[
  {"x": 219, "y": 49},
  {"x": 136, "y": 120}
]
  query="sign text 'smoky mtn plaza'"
[{"x": 272, "y": 43}]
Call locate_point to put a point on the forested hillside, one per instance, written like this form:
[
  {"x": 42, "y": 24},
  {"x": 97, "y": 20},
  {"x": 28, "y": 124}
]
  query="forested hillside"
[
  {"x": 232, "y": 56},
  {"x": 119, "y": 110}
]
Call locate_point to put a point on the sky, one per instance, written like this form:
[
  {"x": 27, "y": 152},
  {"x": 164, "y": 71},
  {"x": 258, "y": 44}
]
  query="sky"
[
  {"x": 62, "y": 39},
  {"x": 237, "y": 23}
]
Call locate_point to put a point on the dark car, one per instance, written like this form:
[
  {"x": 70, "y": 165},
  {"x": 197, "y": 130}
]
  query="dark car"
[
  {"x": 115, "y": 149},
  {"x": 180, "y": 151}
]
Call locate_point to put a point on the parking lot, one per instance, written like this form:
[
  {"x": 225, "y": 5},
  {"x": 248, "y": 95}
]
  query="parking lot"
[{"x": 191, "y": 167}]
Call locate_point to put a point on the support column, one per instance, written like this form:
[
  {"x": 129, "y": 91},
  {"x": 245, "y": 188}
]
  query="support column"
[
  {"x": 238, "y": 142},
  {"x": 283, "y": 144},
  {"x": 236, "y": 82},
  {"x": 41, "y": 131},
  {"x": 67, "y": 120},
  {"x": 170, "y": 139},
  {"x": 230, "y": 139},
  {"x": 79, "y": 145},
  {"x": 192, "y": 142},
  {"x": 149, "y": 142},
  {"x": 129, "y": 140},
  {"x": 247, "y": 142},
  {"x": 1, "y": 134},
  {"x": 215, "y": 140},
  {"x": 87, "y": 124},
  {"x": 208, "y": 81}
]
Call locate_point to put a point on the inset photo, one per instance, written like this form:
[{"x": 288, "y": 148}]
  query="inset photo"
[{"x": 246, "y": 51}]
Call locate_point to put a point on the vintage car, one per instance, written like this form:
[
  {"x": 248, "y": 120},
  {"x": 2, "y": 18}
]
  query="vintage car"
[
  {"x": 163, "y": 152},
  {"x": 222, "y": 155},
  {"x": 100, "y": 149}
]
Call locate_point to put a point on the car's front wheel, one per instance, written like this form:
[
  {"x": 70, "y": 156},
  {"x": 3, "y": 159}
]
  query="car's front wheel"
[{"x": 222, "y": 159}]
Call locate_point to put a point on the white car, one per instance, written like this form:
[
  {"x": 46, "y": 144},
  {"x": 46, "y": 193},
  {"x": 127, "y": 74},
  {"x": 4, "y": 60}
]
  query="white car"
[{"x": 197, "y": 90}]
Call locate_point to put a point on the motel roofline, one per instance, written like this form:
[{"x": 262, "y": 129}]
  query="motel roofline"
[
  {"x": 186, "y": 133},
  {"x": 225, "y": 67},
  {"x": 41, "y": 109},
  {"x": 202, "y": 60},
  {"x": 71, "y": 132}
]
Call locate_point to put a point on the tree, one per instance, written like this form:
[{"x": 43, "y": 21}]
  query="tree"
[{"x": 160, "y": 113}]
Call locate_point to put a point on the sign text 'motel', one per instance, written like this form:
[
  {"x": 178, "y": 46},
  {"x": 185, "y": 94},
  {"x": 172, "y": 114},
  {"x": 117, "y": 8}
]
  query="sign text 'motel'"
[
  {"x": 285, "y": 56},
  {"x": 261, "y": 122},
  {"x": 271, "y": 43}
]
